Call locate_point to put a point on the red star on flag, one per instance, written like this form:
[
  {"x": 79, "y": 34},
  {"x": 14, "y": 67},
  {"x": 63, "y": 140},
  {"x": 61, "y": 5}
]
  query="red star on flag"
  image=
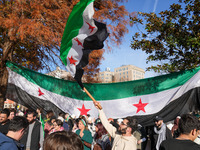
[
  {"x": 140, "y": 106},
  {"x": 79, "y": 42},
  {"x": 40, "y": 92},
  {"x": 90, "y": 27},
  {"x": 83, "y": 110},
  {"x": 72, "y": 60}
]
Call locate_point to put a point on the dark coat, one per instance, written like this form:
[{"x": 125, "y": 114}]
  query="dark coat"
[{"x": 35, "y": 136}]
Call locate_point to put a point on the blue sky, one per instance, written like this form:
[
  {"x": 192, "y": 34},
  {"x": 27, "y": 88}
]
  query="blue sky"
[{"x": 124, "y": 55}]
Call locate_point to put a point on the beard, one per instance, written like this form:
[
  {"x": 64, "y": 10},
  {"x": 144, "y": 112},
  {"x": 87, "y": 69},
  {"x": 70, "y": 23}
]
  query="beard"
[
  {"x": 30, "y": 122},
  {"x": 121, "y": 131}
]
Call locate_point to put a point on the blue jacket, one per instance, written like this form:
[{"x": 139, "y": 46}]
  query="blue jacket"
[{"x": 7, "y": 143}]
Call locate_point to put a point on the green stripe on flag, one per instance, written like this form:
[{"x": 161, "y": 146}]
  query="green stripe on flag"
[
  {"x": 74, "y": 23},
  {"x": 106, "y": 91}
]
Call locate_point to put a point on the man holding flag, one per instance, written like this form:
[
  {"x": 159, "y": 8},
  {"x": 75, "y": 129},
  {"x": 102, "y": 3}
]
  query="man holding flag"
[{"x": 123, "y": 137}]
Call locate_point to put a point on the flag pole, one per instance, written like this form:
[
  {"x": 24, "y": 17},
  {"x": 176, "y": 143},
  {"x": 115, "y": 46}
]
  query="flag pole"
[{"x": 91, "y": 97}]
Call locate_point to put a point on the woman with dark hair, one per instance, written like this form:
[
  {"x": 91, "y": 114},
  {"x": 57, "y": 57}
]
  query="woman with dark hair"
[
  {"x": 84, "y": 133},
  {"x": 101, "y": 138},
  {"x": 57, "y": 126},
  {"x": 63, "y": 140}
]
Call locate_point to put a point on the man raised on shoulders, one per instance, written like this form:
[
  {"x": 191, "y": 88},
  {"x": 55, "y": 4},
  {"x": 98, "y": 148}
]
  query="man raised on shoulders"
[{"x": 123, "y": 138}]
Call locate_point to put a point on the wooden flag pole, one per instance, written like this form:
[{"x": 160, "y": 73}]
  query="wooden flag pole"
[{"x": 91, "y": 97}]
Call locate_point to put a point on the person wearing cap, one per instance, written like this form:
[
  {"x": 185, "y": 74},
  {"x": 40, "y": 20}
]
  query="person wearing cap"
[
  {"x": 123, "y": 137},
  {"x": 160, "y": 133},
  {"x": 84, "y": 133}
]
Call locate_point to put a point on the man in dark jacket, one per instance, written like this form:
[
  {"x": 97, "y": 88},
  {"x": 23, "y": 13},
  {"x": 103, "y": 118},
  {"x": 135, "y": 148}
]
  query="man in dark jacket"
[
  {"x": 15, "y": 131},
  {"x": 33, "y": 137}
]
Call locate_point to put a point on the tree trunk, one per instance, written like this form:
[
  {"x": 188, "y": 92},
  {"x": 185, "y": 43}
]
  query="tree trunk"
[
  {"x": 3, "y": 71},
  {"x": 3, "y": 86}
]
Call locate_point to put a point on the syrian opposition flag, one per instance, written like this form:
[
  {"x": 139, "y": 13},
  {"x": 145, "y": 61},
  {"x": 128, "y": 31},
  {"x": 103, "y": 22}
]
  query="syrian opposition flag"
[
  {"x": 167, "y": 95},
  {"x": 82, "y": 35}
]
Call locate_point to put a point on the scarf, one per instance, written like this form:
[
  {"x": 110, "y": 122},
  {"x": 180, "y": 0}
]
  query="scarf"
[{"x": 161, "y": 135}]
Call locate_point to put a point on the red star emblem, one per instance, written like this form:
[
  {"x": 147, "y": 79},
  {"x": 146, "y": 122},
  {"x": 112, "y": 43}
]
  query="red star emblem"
[
  {"x": 90, "y": 27},
  {"x": 140, "y": 106},
  {"x": 83, "y": 110},
  {"x": 72, "y": 60},
  {"x": 40, "y": 92},
  {"x": 79, "y": 42}
]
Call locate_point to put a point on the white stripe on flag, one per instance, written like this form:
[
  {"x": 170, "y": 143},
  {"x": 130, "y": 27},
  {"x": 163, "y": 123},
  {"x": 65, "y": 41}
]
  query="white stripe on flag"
[{"x": 118, "y": 108}]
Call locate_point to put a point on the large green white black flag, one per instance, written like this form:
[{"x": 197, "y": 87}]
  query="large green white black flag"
[{"x": 167, "y": 95}]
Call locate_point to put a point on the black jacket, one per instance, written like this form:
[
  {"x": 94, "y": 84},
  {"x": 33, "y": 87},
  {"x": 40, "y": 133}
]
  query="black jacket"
[{"x": 35, "y": 136}]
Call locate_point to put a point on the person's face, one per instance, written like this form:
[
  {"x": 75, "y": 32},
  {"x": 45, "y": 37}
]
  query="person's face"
[
  {"x": 81, "y": 125},
  {"x": 159, "y": 123},
  {"x": 123, "y": 127},
  {"x": 30, "y": 118},
  {"x": 53, "y": 120},
  {"x": 12, "y": 115},
  {"x": 3, "y": 118},
  {"x": 56, "y": 127}
]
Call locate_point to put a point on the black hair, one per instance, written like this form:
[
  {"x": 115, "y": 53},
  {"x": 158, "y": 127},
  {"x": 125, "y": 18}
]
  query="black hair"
[
  {"x": 59, "y": 122},
  {"x": 31, "y": 111},
  {"x": 13, "y": 110},
  {"x": 132, "y": 123},
  {"x": 18, "y": 123},
  {"x": 6, "y": 111},
  {"x": 187, "y": 123}
]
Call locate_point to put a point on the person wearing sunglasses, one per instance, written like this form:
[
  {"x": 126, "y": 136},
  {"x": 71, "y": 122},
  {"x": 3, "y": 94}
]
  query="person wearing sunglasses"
[{"x": 123, "y": 136}]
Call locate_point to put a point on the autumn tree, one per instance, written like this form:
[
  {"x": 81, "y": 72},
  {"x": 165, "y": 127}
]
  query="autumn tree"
[
  {"x": 172, "y": 36},
  {"x": 31, "y": 32}
]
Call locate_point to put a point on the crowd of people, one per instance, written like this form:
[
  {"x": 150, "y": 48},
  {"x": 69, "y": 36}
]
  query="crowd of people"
[{"x": 32, "y": 130}]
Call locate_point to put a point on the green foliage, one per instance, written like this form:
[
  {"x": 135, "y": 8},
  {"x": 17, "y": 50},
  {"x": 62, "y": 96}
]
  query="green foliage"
[{"x": 172, "y": 36}]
